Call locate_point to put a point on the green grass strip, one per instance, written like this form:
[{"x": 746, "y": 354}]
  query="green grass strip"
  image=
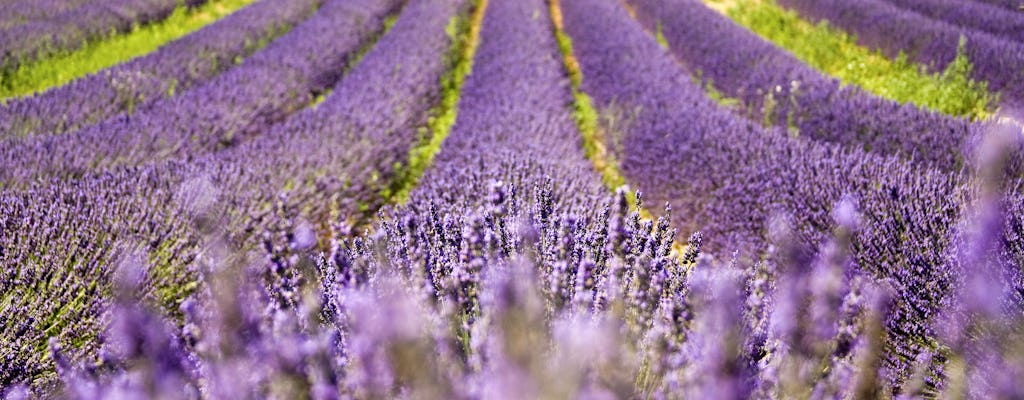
[
  {"x": 836, "y": 53},
  {"x": 588, "y": 118},
  {"x": 464, "y": 32},
  {"x": 594, "y": 125},
  {"x": 94, "y": 56}
]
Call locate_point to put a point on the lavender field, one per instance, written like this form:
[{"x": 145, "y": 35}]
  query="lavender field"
[{"x": 511, "y": 199}]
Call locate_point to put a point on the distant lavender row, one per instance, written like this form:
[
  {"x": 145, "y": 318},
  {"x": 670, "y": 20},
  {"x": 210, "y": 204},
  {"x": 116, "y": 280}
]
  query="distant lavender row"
[
  {"x": 513, "y": 126},
  {"x": 269, "y": 195},
  {"x": 729, "y": 178},
  {"x": 224, "y": 111},
  {"x": 175, "y": 67},
  {"x": 71, "y": 29},
  {"x": 509, "y": 294},
  {"x": 1015, "y": 5},
  {"x": 971, "y": 15},
  {"x": 17, "y": 12},
  {"x": 880, "y": 25},
  {"x": 768, "y": 80}
]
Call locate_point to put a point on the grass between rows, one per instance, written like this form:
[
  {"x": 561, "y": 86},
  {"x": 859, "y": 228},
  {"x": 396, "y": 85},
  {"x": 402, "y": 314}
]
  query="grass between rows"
[
  {"x": 464, "y": 32},
  {"x": 594, "y": 132},
  {"x": 589, "y": 121},
  {"x": 172, "y": 282},
  {"x": 64, "y": 67},
  {"x": 836, "y": 53},
  {"x": 588, "y": 118}
]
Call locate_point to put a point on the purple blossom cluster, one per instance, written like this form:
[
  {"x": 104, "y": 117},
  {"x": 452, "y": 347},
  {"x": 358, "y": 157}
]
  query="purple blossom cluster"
[
  {"x": 731, "y": 179},
  {"x": 255, "y": 269},
  {"x": 775, "y": 86},
  {"x": 227, "y": 110},
  {"x": 188, "y": 218},
  {"x": 881, "y": 25},
  {"x": 70, "y": 28},
  {"x": 173, "y": 68},
  {"x": 1014, "y": 5},
  {"x": 970, "y": 14},
  {"x": 499, "y": 279}
]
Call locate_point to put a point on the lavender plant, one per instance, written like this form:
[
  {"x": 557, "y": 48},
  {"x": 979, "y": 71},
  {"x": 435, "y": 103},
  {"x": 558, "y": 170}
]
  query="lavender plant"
[
  {"x": 776, "y": 88},
  {"x": 884, "y": 26},
  {"x": 253, "y": 198},
  {"x": 16, "y": 12},
  {"x": 227, "y": 110},
  {"x": 971, "y": 15},
  {"x": 174, "y": 68},
  {"x": 728, "y": 177},
  {"x": 71, "y": 28},
  {"x": 812, "y": 270}
]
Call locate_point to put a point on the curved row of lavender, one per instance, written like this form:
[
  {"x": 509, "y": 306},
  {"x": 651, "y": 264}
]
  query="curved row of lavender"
[
  {"x": 499, "y": 282},
  {"x": 970, "y": 14},
  {"x": 880, "y": 25},
  {"x": 1014, "y": 5},
  {"x": 732, "y": 179},
  {"x": 172, "y": 68},
  {"x": 264, "y": 198},
  {"x": 17, "y": 12},
  {"x": 229, "y": 109},
  {"x": 768, "y": 80},
  {"x": 71, "y": 29}
]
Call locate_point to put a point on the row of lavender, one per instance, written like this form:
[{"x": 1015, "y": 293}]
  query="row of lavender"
[
  {"x": 775, "y": 86},
  {"x": 224, "y": 111},
  {"x": 70, "y": 29},
  {"x": 265, "y": 196},
  {"x": 510, "y": 274},
  {"x": 735, "y": 180},
  {"x": 885, "y": 26},
  {"x": 173, "y": 68},
  {"x": 17, "y": 12},
  {"x": 377, "y": 336},
  {"x": 972, "y": 15},
  {"x": 1014, "y": 5}
]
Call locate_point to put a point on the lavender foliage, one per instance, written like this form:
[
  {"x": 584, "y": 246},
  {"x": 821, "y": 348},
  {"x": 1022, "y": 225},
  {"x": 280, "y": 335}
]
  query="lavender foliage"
[
  {"x": 511, "y": 272},
  {"x": 1013, "y": 5},
  {"x": 880, "y": 25},
  {"x": 774, "y": 86},
  {"x": 970, "y": 15},
  {"x": 17, "y": 12},
  {"x": 225, "y": 111},
  {"x": 71, "y": 28},
  {"x": 184, "y": 216},
  {"x": 173, "y": 68},
  {"x": 508, "y": 293},
  {"x": 728, "y": 178}
]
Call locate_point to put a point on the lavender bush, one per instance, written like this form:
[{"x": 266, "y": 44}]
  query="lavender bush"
[
  {"x": 971, "y": 15},
  {"x": 811, "y": 270},
  {"x": 227, "y": 110},
  {"x": 776, "y": 87},
  {"x": 728, "y": 178},
  {"x": 251, "y": 198},
  {"x": 884, "y": 26},
  {"x": 172, "y": 69},
  {"x": 71, "y": 28},
  {"x": 18, "y": 12}
]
